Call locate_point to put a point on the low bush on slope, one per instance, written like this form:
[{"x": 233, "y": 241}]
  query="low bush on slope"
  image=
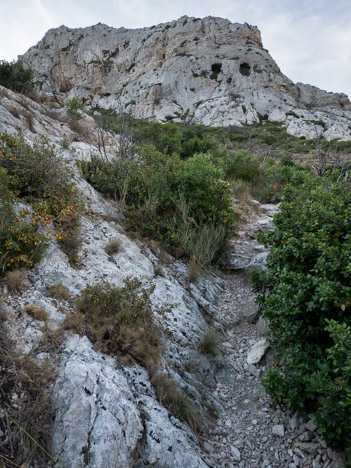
[
  {"x": 306, "y": 297},
  {"x": 175, "y": 201},
  {"x": 120, "y": 322},
  {"x": 34, "y": 174},
  {"x": 21, "y": 244}
]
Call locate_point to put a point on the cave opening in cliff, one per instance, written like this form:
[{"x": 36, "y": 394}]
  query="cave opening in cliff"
[{"x": 245, "y": 69}]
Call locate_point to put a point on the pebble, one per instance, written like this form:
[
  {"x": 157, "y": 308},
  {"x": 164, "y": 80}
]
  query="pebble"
[
  {"x": 235, "y": 453},
  {"x": 278, "y": 430},
  {"x": 208, "y": 447},
  {"x": 311, "y": 426}
]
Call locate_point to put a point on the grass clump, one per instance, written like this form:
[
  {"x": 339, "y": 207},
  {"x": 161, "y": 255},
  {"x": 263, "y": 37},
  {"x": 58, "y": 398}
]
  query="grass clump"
[
  {"x": 15, "y": 279},
  {"x": 36, "y": 175},
  {"x": 113, "y": 246},
  {"x": 177, "y": 401},
  {"x": 120, "y": 322},
  {"x": 59, "y": 291},
  {"x": 26, "y": 406},
  {"x": 37, "y": 312},
  {"x": 210, "y": 343}
]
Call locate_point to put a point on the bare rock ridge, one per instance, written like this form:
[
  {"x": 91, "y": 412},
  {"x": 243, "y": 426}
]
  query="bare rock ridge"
[{"x": 208, "y": 71}]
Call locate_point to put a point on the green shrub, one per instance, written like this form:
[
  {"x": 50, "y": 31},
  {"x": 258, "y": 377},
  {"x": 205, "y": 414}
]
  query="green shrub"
[
  {"x": 120, "y": 322},
  {"x": 15, "y": 77},
  {"x": 75, "y": 105},
  {"x": 21, "y": 245},
  {"x": 168, "y": 198},
  {"x": 332, "y": 382},
  {"x": 274, "y": 177},
  {"x": 308, "y": 283},
  {"x": 37, "y": 176},
  {"x": 169, "y": 138},
  {"x": 242, "y": 165}
]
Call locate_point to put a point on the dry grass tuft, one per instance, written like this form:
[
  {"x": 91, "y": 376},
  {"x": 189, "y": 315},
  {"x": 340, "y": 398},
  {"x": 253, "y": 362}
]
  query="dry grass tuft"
[
  {"x": 193, "y": 270},
  {"x": 59, "y": 291},
  {"x": 113, "y": 246},
  {"x": 211, "y": 342},
  {"x": 37, "y": 312},
  {"x": 26, "y": 408},
  {"x": 176, "y": 401},
  {"x": 15, "y": 279}
]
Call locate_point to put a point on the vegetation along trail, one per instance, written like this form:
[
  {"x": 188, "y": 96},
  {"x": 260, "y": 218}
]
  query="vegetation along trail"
[{"x": 250, "y": 434}]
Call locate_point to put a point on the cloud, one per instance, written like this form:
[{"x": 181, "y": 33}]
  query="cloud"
[{"x": 310, "y": 41}]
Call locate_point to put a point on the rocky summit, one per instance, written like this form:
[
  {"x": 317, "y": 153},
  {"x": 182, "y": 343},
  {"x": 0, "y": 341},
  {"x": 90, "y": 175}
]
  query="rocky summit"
[{"x": 208, "y": 71}]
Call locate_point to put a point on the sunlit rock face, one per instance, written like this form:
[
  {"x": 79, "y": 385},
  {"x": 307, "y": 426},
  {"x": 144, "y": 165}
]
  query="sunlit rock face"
[{"x": 209, "y": 71}]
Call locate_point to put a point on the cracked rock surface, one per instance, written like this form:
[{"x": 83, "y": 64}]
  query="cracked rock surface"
[{"x": 208, "y": 71}]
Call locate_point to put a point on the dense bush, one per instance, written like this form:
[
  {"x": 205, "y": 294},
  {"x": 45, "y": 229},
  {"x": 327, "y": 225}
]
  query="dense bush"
[
  {"x": 307, "y": 285},
  {"x": 37, "y": 176},
  {"x": 242, "y": 165},
  {"x": 169, "y": 138},
  {"x": 15, "y": 77},
  {"x": 168, "y": 198},
  {"x": 21, "y": 245},
  {"x": 275, "y": 176},
  {"x": 120, "y": 321}
]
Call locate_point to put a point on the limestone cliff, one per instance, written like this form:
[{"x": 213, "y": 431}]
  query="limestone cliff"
[{"x": 209, "y": 71}]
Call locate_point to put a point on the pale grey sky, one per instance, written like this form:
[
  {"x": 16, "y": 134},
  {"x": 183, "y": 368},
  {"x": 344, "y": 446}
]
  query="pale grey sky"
[{"x": 309, "y": 39}]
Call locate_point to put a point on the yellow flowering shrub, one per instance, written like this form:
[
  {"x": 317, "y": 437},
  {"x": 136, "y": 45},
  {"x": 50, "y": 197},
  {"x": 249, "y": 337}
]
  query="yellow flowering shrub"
[
  {"x": 38, "y": 176},
  {"x": 21, "y": 244}
]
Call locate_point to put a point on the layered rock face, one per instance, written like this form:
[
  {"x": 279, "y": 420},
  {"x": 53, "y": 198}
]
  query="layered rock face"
[{"x": 208, "y": 71}]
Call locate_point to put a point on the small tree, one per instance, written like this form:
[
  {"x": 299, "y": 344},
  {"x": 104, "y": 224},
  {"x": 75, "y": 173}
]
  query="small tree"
[{"x": 14, "y": 76}]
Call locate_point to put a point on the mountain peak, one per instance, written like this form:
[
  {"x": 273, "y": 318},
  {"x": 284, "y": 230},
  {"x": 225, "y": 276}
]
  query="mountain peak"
[{"x": 209, "y": 71}]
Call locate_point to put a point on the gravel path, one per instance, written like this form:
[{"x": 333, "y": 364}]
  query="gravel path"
[{"x": 251, "y": 434}]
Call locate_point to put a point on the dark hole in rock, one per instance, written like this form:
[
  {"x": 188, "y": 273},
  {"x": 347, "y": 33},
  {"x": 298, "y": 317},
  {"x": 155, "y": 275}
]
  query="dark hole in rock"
[
  {"x": 245, "y": 69},
  {"x": 216, "y": 67}
]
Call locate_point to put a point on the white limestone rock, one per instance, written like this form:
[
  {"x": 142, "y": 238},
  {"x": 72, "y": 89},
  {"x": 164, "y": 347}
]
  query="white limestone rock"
[
  {"x": 208, "y": 71},
  {"x": 97, "y": 422},
  {"x": 257, "y": 351}
]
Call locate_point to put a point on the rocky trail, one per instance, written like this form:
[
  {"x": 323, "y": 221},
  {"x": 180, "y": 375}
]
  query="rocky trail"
[
  {"x": 107, "y": 414},
  {"x": 251, "y": 434}
]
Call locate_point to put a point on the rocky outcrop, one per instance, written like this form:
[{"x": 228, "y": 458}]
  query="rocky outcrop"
[{"x": 209, "y": 71}]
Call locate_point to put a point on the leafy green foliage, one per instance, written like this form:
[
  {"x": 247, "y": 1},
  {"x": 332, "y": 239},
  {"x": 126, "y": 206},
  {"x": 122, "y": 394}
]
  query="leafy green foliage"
[
  {"x": 308, "y": 283},
  {"x": 166, "y": 195},
  {"x": 242, "y": 165},
  {"x": 332, "y": 383},
  {"x": 272, "y": 178},
  {"x": 15, "y": 77},
  {"x": 21, "y": 245},
  {"x": 74, "y": 106},
  {"x": 37, "y": 176}
]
